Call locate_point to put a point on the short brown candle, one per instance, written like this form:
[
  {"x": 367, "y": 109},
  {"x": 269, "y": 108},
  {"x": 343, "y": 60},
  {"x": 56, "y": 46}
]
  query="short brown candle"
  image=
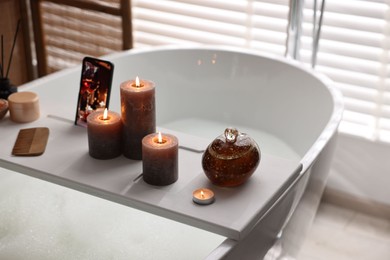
[
  {"x": 138, "y": 115},
  {"x": 104, "y": 135},
  {"x": 160, "y": 156}
]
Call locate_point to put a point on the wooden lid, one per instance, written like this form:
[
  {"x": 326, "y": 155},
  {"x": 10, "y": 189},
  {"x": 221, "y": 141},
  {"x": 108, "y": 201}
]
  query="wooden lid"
[{"x": 23, "y": 97}]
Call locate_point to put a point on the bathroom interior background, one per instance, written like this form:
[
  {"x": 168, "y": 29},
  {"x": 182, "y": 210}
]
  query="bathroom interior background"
[{"x": 353, "y": 52}]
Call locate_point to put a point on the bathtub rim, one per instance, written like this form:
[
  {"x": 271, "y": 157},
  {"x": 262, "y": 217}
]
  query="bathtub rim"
[
  {"x": 328, "y": 131},
  {"x": 338, "y": 105}
]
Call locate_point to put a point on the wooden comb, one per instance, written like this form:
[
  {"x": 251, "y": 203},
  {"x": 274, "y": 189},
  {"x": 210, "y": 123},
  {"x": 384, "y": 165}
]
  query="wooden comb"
[{"x": 31, "y": 141}]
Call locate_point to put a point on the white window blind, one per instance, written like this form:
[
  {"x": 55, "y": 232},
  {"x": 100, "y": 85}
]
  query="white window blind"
[
  {"x": 243, "y": 23},
  {"x": 353, "y": 49}
]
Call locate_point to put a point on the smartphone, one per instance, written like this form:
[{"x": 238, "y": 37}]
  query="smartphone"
[{"x": 95, "y": 88}]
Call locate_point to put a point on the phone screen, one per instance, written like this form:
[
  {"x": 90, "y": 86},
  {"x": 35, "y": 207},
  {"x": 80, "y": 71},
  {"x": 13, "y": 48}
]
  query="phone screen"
[{"x": 95, "y": 88}]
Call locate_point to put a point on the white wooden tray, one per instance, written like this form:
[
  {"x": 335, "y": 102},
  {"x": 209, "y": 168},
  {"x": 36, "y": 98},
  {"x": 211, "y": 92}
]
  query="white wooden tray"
[{"x": 66, "y": 162}]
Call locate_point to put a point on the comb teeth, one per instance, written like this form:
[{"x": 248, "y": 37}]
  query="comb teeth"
[{"x": 31, "y": 141}]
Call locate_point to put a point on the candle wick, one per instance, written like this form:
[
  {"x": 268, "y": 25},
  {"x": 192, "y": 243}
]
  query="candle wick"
[
  {"x": 159, "y": 141},
  {"x": 103, "y": 118},
  {"x": 138, "y": 86}
]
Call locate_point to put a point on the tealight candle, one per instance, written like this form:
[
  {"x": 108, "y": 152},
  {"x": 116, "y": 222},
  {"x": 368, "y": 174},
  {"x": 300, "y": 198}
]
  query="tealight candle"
[
  {"x": 160, "y": 156},
  {"x": 203, "y": 196},
  {"x": 104, "y": 134},
  {"x": 138, "y": 115}
]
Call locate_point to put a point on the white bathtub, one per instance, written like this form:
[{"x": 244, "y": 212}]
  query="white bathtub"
[{"x": 290, "y": 111}]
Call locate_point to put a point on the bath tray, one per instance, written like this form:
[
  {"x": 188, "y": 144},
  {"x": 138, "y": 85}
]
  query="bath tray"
[{"x": 236, "y": 210}]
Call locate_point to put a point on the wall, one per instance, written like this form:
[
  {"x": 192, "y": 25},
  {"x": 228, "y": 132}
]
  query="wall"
[
  {"x": 360, "y": 174},
  {"x": 11, "y": 11}
]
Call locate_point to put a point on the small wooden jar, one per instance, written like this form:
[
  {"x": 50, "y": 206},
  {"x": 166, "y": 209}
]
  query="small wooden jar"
[{"x": 23, "y": 107}]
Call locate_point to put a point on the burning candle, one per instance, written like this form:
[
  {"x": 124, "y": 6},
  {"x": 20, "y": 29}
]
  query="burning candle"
[
  {"x": 160, "y": 156},
  {"x": 104, "y": 134},
  {"x": 138, "y": 115},
  {"x": 203, "y": 196}
]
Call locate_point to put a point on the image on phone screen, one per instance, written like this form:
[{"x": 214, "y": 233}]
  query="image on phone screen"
[{"x": 95, "y": 88}]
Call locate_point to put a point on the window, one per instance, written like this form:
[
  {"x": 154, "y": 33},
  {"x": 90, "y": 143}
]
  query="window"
[{"x": 353, "y": 50}]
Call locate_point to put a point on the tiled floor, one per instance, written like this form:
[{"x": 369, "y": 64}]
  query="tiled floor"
[{"x": 341, "y": 234}]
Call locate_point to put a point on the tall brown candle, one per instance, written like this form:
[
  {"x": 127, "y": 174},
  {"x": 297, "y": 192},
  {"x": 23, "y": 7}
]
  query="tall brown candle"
[
  {"x": 138, "y": 115},
  {"x": 104, "y": 135},
  {"x": 160, "y": 156}
]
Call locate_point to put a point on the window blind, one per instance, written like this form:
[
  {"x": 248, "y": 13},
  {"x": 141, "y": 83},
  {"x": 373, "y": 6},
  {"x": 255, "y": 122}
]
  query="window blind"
[
  {"x": 353, "y": 51},
  {"x": 253, "y": 24},
  {"x": 71, "y": 33},
  {"x": 353, "y": 48}
]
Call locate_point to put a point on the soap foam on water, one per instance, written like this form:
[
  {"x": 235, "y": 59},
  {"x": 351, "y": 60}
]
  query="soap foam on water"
[{"x": 39, "y": 220}]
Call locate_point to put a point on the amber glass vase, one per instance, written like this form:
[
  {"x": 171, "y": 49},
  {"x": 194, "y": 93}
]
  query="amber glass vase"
[{"x": 231, "y": 158}]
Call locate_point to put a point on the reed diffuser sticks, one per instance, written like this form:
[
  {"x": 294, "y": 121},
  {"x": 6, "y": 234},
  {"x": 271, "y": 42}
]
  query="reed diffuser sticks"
[{"x": 2, "y": 55}]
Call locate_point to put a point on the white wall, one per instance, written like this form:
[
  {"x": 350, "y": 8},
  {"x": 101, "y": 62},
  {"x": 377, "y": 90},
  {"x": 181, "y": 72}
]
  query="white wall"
[{"x": 361, "y": 168}]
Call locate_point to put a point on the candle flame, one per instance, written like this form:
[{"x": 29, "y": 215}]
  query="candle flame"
[
  {"x": 105, "y": 114},
  {"x": 202, "y": 194},
  {"x": 137, "y": 83},
  {"x": 159, "y": 138}
]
